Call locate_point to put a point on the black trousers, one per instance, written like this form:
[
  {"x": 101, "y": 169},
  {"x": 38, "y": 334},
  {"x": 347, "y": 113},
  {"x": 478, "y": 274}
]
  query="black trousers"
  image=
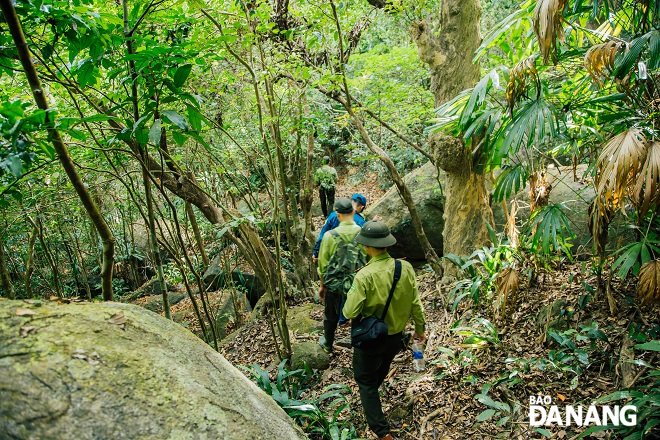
[
  {"x": 327, "y": 196},
  {"x": 370, "y": 368},
  {"x": 333, "y": 302}
]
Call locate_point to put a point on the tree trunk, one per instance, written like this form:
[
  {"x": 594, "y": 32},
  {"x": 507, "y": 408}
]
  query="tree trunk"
[
  {"x": 29, "y": 265},
  {"x": 61, "y": 149},
  {"x": 198, "y": 235},
  {"x": 5, "y": 279},
  {"x": 447, "y": 45}
]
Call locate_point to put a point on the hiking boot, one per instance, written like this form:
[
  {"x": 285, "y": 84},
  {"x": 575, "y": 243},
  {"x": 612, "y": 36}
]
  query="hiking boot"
[
  {"x": 345, "y": 342},
  {"x": 324, "y": 345}
]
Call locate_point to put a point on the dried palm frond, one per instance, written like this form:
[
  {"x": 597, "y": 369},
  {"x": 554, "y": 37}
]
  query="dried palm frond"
[
  {"x": 508, "y": 283},
  {"x": 647, "y": 187},
  {"x": 539, "y": 191},
  {"x": 521, "y": 77},
  {"x": 619, "y": 163},
  {"x": 510, "y": 229},
  {"x": 648, "y": 286},
  {"x": 600, "y": 216},
  {"x": 599, "y": 60},
  {"x": 547, "y": 25}
]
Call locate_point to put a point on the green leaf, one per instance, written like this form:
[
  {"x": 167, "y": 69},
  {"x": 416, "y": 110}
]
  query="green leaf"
[
  {"x": 544, "y": 432},
  {"x": 488, "y": 401},
  {"x": 14, "y": 165},
  {"x": 86, "y": 73},
  {"x": 486, "y": 415},
  {"x": 142, "y": 136},
  {"x": 179, "y": 138},
  {"x": 174, "y": 118},
  {"x": 653, "y": 345},
  {"x": 155, "y": 132},
  {"x": 181, "y": 74},
  {"x": 195, "y": 118}
]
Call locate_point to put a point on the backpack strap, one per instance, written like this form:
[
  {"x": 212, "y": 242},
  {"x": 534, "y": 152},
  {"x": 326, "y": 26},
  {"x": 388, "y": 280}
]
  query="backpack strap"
[{"x": 397, "y": 276}]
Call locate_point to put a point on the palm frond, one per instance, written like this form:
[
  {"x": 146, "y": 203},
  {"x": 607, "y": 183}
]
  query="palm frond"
[
  {"x": 548, "y": 26},
  {"x": 600, "y": 217},
  {"x": 510, "y": 229},
  {"x": 647, "y": 186},
  {"x": 620, "y": 161},
  {"x": 648, "y": 285},
  {"x": 599, "y": 60},
  {"x": 521, "y": 78},
  {"x": 508, "y": 283}
]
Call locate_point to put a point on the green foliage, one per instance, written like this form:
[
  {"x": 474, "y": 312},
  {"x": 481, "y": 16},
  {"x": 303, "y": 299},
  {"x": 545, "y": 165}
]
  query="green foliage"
[
  {"x": 550, "y": 231},
  {"x": 480, "y": 272},
  {"x": 321, "y": 415},
  {"x": 632, "y": 256},
  {"x": 646, "y": 398},
  {"x": 497, "y": 410},
  {"x": 479, "y": 333}
]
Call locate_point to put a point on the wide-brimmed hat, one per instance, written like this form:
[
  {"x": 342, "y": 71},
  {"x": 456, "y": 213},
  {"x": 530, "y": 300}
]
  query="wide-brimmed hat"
[
  {"x": 375, "y": 234},
  {"x": 362, "y": 200},
  {"x": 343, "y": 206}
]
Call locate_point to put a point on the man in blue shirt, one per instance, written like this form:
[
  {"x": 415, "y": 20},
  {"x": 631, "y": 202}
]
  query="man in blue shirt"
[{"x": 359, "y": 203}]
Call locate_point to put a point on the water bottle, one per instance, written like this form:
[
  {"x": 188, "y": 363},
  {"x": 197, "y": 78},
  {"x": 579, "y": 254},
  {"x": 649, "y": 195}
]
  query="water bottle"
[{"x": 418, "y": 356}]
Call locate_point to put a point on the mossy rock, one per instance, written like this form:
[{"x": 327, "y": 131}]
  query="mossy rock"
[
  {"x": 310, "y": 354},
  {"x": 111, "y": 371},
  {"x": 299, "y": 318}
]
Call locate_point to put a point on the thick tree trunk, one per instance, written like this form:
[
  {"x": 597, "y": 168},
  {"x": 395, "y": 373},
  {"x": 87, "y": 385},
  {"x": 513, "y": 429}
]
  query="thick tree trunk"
[
  {"x": 61, "y": 149},
  {"x": 447, "y": 46}
]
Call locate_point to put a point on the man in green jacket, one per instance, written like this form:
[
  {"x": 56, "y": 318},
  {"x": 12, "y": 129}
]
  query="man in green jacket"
[
  {"x": 339, "y": 257},
  {"x": 326, "y": 179},
  {"x": 367, "y": 297}
]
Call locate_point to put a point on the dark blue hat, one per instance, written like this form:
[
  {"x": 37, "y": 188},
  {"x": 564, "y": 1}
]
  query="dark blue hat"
[{"x": 362, "y": 200}]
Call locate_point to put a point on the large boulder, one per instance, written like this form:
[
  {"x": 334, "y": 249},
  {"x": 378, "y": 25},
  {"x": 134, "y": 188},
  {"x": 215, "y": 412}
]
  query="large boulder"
[
  {"x": 118, "y": 371},
  {"x": 305, "y": 319},
  {"x": 423, "y": 184},
  {"x": 574, "y": 191},
  {"x": 309, "y": 354}
]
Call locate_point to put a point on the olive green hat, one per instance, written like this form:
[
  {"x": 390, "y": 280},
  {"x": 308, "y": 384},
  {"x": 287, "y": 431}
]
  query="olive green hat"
[
  {"x": 375, "y": 234},
  {"x": 343, "y": 206}
]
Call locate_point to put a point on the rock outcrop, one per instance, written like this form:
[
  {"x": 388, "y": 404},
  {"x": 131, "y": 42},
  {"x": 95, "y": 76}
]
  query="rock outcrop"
[
  {"x": 117, "y": 371},
  {"x": 423, "y": 184}
]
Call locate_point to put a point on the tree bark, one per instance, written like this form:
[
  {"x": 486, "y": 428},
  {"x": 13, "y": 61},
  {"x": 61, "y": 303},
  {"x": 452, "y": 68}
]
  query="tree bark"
[
  {"x": 447, "y": 45},
  {"x": 61, "y": 149},
  {"x": 198, "y": 235},
  {"x": 5, "y": 279},
  {"x": 29, "y": 265}
]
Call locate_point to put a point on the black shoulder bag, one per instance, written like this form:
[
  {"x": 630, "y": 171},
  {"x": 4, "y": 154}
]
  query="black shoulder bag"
[{"x": 368, "y": 332}]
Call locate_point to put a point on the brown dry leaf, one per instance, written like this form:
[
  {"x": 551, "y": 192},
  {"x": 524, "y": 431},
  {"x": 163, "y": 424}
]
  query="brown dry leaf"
[
  {"x": 118, "y": 319},
  {"x": 27, "y": 330},
  {"x": 600, "y": 216},
  {"x": 647, "y": 186},
  {"x": 522, "y": 76},
  {"x": 548, "y": 25},
  {"x": 561, "y": 397},
  {"x": 619, "y": 163},
  {"x": 648, "y": 286},
  {"x": 599, "y": 60},
  {"x": 24, "y": 312}
]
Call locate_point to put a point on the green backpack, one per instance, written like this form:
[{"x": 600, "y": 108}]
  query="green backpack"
[{"x": 343, "y": 264}]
